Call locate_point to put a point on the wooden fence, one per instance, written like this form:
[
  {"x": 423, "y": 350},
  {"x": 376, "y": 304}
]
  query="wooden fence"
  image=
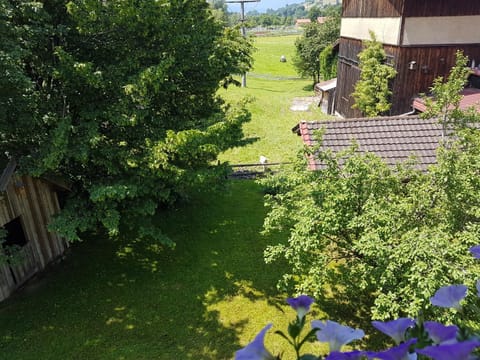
[{"x": 251, "y": 171}]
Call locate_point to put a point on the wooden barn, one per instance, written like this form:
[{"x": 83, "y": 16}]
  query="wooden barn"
[
  {"x": 419, "y": 37},
  {"x": 26, "y": 207}
]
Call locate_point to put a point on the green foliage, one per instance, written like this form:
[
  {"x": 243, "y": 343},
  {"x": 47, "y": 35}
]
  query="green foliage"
[
  {"x": 372, "y": 92},
  {"x": 194, "y": 303},
  {"x": 121, "y": 101},
  {"x": 315, "y": 39},
  {"x": 369, "y": 231},
  {"x": 445, "y": 97},
  {"x": 328, "y": 63}
]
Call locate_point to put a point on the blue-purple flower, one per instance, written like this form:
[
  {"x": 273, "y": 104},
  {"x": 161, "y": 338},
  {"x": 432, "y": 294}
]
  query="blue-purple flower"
[
  {"x": 441, "y": 334},
  {"x": 478, "y": 288},
  {"x": 301, "y": 304},
  {"x": 475, "y": 250},
  {"x": 256, "y": 349},
  {"x": 395, "y": 329},
  {"x": 458, "y": 351},
  {"x": 336, "y": 334},
  {"x": 449, "y": 296},
  {"x": 399, "y": 352}
]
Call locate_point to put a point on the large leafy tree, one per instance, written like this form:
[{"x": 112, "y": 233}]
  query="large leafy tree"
[
  {"x": 125, "y": 105},
  {"x": 315, "y": 39},
  {"x": 366, "y": 231},
  {"x": 372, "y": 92}
]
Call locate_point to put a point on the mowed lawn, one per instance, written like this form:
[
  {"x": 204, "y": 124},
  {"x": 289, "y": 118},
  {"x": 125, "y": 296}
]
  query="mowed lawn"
[
  {"x": 204, "y": 299},
  {"x": 272, "y": 86}
]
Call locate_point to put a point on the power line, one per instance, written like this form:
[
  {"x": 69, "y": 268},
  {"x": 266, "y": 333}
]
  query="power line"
[{"x": 244, "y": 32}]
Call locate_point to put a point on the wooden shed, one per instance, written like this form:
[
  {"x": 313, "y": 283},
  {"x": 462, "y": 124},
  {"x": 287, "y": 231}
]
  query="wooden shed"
[
  {"x": 325, "y": 90},
  {"x": 26, "y": 207},
  {"x": 420, "y": 39}
]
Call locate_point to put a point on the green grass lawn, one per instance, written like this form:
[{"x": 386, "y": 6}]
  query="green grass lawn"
[
  {"x": 272, "y": 91},
  {"x": 203, "y": 300},
  {"x": 129, "y": 300}
]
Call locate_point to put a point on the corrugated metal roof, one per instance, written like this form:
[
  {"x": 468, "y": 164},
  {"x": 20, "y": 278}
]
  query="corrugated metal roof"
[{"x": 395, "y": 139}]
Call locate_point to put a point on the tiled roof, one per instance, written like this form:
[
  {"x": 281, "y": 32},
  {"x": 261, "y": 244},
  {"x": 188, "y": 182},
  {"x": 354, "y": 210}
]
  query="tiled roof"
[
  {"x": 395, "y": 139},
  {"x": 470, "y": 97}
]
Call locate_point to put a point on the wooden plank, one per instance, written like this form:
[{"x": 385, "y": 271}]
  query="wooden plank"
[
  {"x": 372, "y": 8},
  {"x": 36, "y": 220},
  {"x": 28, "y": 267},
  {"x": 20, "y": 201},
  {"x": 44, "y": 192},
  {"x": 5, "y": 211},
  {"x": 426, "y": 8},
  {"x": 7, "y": 285}
]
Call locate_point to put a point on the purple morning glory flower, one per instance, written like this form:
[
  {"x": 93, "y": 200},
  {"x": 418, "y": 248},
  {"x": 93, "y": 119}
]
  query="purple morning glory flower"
[
  {"x": 449, "y": 296},
  {"x": 395, "y": 329},
  {"x": 458, "y": 351},
  {"x": 256, "y": 349},
  {"x": 400, "y": 352},
  {"x": 336, "y": 334},
  {"x": 351, "y": 355},
  {"x": 300, "y": 304},
  {"x": 475, "y": 250},
  {"x": 440, "y": 333}
]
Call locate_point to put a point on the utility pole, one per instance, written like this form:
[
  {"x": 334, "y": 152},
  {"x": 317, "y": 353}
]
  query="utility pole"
[{"x": 244, "y": 32}]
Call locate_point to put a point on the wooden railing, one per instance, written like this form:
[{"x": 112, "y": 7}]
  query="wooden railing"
[{"x": 249, "y": 171}]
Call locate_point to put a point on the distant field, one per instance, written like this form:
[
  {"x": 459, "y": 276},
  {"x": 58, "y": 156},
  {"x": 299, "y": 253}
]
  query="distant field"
[
  {"x": 270, "y": 49},
  {"x": 272, "y": 85}
]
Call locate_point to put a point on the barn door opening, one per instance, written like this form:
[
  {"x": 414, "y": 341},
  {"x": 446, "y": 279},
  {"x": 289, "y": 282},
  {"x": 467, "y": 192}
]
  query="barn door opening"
[{"x": 15, "y": 241}]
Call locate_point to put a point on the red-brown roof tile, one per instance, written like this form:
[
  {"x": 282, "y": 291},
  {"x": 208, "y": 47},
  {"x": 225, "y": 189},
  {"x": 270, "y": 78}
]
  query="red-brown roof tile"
[{"x": 395, "y": 139}]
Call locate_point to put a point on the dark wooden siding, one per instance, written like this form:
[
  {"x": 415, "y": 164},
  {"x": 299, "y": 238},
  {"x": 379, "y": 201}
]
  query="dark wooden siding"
[
  {"x": 417, "y": 8},
  {"x": 348, "y": 74},
  {"x": 372, "y": 8},
  {"x": 431, "y": 62},
  {"x": 34, "y": 202}
]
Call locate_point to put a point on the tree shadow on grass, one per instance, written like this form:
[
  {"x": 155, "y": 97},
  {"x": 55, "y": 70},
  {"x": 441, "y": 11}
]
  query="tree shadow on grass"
[
  {"x": 352, "y": 307},
  {"x": 309, "y": 87},
  {"x": 249, "y": 141},
  {"x": 129, "y": 299},
  {"x": 217, "y": 265}
]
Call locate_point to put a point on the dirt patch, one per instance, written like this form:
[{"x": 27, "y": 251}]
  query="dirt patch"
[{"x": 304, "y": 103}]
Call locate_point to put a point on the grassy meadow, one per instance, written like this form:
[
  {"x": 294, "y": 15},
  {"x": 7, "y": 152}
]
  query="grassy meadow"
[
  {"x": 204, "y": 299},
  {"x": 271, "y": 86}
]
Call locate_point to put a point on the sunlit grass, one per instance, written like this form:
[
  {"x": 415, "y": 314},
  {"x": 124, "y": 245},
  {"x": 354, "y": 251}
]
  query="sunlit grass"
[
  {"x": 270, "y": 131},
  {"x": 203, "y": 300}
]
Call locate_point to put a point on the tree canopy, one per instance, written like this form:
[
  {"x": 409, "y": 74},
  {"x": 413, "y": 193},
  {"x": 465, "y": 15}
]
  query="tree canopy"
[
  {"x": 372, "y": 92},
  {"x": 360, "y": 229},
  {"x": 119, "y": 98},
  {"x": 315, "y": 39}
]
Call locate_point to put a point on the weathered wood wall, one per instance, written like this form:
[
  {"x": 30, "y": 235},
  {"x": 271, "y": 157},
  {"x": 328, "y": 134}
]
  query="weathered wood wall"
[
  {"x": 430, "y": 62},
  {"x": 416, "y": 8},
  {"x": 409, "y": 8},
  {"x": 34, "y": 201},
  {"x": 372, "y": 8}
]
